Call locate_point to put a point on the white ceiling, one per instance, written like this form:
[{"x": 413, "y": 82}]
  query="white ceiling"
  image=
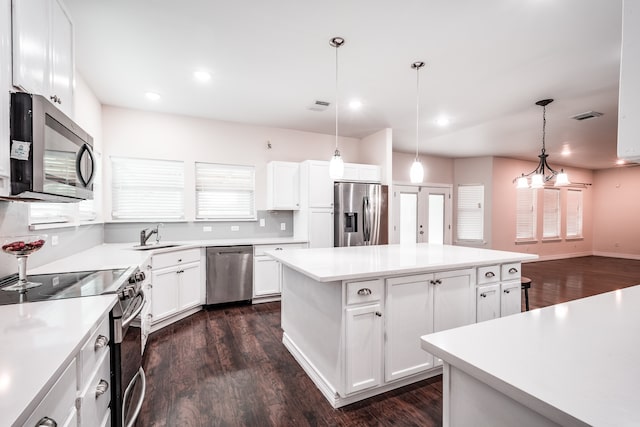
[{"x": 487, "y": 63}]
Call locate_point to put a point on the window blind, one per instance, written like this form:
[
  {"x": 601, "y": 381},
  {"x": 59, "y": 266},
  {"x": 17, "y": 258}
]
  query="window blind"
[
  {"x": 147, "y": 189},
  {"x": 52, "y": 213},
  {"x": 526, "y": 213},
  {"x": 225, "y": 191},
  {"x": 574, "y": 213},
  {"x": 60, "y": 172},
  {"x": 470, "y": 224},
  {"x": 551, "y": 214}
]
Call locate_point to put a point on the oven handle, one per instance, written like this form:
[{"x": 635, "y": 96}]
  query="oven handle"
[
  {"x": 143, "y": 391},
  {"x": 125, "y": 322}
]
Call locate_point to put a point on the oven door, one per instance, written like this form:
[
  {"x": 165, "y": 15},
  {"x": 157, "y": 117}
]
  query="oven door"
[{"x": 130, "y": 383}]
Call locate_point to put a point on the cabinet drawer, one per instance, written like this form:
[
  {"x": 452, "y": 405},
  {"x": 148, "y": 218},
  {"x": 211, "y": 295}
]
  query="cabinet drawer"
[
  {"x": 260, "y": 249},
  {"x": 96, "y": 395},
  {"x": 369, "y": 290},
  {"x": 511, "y": 271},
  {"x": 488, "y": 274},
  {"x": 175, "y": 258},
  {"x": 92, "y": 351},
  {"x": 60, "y": 399}
]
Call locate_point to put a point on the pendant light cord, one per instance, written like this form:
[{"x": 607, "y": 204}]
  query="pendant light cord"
[
  {"x": 544, "y": 127},
  {"x": 337, "y": 112},
  {"x": 417, "y": 109}
]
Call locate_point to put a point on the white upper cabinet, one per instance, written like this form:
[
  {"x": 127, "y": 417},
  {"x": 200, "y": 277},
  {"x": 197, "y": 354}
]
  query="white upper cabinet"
[
  {"x": 283, "y": 186},
  {"x": 5, "y": 84},
  {"x": 43, "y": 51},
  {"x": 361, "y": 172},
  {"x": 317, "y": 185},
  {"x": 629, "y": 103}
]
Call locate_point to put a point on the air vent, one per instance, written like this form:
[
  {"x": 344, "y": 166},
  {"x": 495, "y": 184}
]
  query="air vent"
[
  {"x": 586, "y": 116},
  {"x": 319, "y": 106}
]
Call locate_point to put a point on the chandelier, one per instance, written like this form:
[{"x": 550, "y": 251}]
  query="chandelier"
[{"x": 543, "y": 172}]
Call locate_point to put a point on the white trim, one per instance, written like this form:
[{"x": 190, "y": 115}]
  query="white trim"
[
  {"x": 561, "y": 256},
  {"x": 616, "y": 255}
]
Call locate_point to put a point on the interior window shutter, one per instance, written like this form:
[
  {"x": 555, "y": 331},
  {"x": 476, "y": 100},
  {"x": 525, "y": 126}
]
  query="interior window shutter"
[
  {"x": 526, "y": 214},
  {"x": 551, "y": 218},
  {"x": 225, "y": 192},
  {"x": 574, "y": 213},
  {"x": 470, "y": 224},
  {"x": 146, "y": 189}
]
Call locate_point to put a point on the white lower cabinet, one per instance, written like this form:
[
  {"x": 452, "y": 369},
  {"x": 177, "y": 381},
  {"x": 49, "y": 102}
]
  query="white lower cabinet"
[
  {"x": 320, "y": 228},
  {"x": 498, "y": 293},
  {"x": 57, "y": 406},
  {"x": 510, "y": 298},
  {"x": 408, "y": 316},
  {"x": 364, "y": 347},
  {"x": 176, "y": 285},
  {"x": 267, "y": 272},
  {"x": 488, "y": 302}
]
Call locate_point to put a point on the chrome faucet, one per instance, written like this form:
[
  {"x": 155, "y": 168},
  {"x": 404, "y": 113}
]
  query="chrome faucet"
[{"x": 146, "y": 233}]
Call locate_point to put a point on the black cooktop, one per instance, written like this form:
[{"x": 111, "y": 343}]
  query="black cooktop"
[{"x": 61, "y": 285}]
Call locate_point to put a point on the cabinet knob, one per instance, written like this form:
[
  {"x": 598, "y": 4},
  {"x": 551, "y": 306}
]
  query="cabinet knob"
[
  {"x": 483, "y": 295},
  {"x": 378, "y": 314},
  {"x": 101, "y": 388},
  {"x": 101, "y": 342},
  {"x": 179, "y": 259},
  {"x": 513, "y": 270},
  {"x": 436, "y": 282},
  {"x": 46, "y": 422},
  {"x": 506, "y": 291},
  {"x": 364, "y": 291},
  {"x": 489, "y": 274},
  {"x": 278, "y": 249}
]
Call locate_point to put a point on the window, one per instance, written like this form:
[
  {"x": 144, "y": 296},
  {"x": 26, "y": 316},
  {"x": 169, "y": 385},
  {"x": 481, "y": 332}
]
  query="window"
[
  {"x": 53, "y": 213},
  {"x": 470, "y": 213},
  {"x": 526, "y": 213},
  {"x": 551, "y": 214},
  {"x": 225, "y": 192},
  {"x": 574, "y": 213},
  {"x": 146, "y": 189}
]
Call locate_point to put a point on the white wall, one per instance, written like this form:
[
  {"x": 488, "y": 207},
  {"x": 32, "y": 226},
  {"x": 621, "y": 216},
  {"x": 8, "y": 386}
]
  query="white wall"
[
  {"x": 376, "y": 149},
  {"x": 134, "y": 133}
]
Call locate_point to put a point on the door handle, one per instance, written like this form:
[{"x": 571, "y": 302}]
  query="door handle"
[{"x": 85, "y": 149}]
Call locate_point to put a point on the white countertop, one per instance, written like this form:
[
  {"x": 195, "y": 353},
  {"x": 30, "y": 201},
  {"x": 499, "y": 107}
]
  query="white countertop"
[
  {"x": 330, "y": 264},
  {"x": 574, "y": 361},
  {"x": 122, "y": 255},
  {"x": 37, "y": 342}
]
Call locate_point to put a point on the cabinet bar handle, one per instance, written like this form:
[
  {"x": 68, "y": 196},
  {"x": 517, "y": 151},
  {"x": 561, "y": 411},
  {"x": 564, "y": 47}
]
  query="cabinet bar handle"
[
  {"x": 489, "y": 274},
  {"x": 46, "y": 422},
  {"x": 513, "y": 270},
  {"x": 101, "y": 388},
  {"x": 101, "y": 342},
  {"x": 364, "y": 291}
]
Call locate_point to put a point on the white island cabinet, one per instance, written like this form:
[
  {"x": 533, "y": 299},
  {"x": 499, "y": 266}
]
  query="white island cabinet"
[
  {"x": 353, "y": 317},
  {"x": 545, "y": 367}
]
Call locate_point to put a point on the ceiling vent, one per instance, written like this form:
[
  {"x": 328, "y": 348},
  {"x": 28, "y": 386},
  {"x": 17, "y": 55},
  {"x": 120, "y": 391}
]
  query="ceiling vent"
[
  {"x": 586, "y": 116},
  {"x": 319, "y": 106}
]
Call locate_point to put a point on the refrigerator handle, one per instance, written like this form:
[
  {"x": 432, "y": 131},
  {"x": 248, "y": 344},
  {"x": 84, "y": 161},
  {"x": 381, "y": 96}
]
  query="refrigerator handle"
[{"x": 366, "y": 213}]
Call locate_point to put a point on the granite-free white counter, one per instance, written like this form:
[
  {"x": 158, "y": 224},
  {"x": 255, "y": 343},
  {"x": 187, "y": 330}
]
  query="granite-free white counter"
[
  {"x": 355, "y": 262},
  {"x": 575, "y": 363},
  {"x": 122, "y": 255},
  {"x": 37, "y": 341}
]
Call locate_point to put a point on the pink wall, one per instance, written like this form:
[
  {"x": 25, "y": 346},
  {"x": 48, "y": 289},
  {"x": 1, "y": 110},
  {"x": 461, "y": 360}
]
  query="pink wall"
[
  {"x": 376, "y": 149},
  {"x": 504, "y": 212},
  {"x": 616, "y": 227}
]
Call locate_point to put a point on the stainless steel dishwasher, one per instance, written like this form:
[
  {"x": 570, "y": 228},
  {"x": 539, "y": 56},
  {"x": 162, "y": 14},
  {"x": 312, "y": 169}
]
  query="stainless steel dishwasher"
[{"x": 229, "y": 274}]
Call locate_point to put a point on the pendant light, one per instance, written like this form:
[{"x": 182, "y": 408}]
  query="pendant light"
[
  {"x": 543, "y": 172},
  {"x": 416, "y": 173},
  {"x": 336, "y": 164}
]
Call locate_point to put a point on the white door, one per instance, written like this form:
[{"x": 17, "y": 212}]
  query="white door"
[
  {"x": 320, "y": 186},
  {"x": 320, "y": 228},
  {"x": 487, "y": 302},
  {"x": 189, "y": 276},
  {"x": 510, "y": 298},
  {"x": 364, "y": 347},
  {"x": 164, "y": 299},
  {"x": 61, "y": 73},
  {"x": 421, "y": 214},
  {"x": 408, "y": 316},
  {"x": 266, "y": 276}
]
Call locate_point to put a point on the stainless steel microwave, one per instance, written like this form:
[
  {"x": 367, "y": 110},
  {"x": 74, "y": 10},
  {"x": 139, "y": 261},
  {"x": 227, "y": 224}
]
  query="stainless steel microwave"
[{"x": 51, "y": 157}]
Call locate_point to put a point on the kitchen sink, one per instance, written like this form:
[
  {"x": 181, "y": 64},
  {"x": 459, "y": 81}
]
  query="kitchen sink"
[{"x": 154, "y": 246}]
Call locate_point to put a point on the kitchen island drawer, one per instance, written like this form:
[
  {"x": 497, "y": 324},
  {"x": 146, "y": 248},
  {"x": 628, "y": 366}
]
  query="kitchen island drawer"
[
  {"x": 365, "y": 291},
  {"x": 488, "y": 274},
  {"x": 511, "y": 271},
  {"x": 168, "y": 259},
  {"x": 96, "y": 346},
  {"x": 260, "y": 249},
  {"x": 59, "y": 402}
]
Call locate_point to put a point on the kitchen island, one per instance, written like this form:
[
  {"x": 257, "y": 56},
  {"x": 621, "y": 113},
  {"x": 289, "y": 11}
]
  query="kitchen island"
[
  {"x": 571, "y": 364},
  {"x": 352, "y": 317}
]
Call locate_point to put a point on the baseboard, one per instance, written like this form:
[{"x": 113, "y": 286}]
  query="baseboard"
[
  {"x": 554, "y": 257},
  {"x": 260, "y": 300},
  {"x": 616, "y": 255},
  {"x": 168, "y": 321},
  {"x": 330, "y": 393}
]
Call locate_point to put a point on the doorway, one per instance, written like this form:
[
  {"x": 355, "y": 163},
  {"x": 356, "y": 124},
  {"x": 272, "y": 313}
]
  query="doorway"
[{"x": 421, "y": 214}]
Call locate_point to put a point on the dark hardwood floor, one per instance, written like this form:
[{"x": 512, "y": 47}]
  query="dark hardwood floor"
[{"x": 228, "y": 367}]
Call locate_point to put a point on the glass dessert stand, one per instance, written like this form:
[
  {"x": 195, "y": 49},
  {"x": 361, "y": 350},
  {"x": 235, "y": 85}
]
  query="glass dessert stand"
[{"x": 21, "y": 247}]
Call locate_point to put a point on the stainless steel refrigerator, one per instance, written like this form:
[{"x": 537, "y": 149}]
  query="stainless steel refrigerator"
[{"x": 360, "y": 214}]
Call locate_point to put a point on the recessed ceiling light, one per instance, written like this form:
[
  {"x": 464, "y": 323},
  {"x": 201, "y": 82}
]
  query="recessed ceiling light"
[
  {"x": 443, "y": 121},
  {"x": 355, "y": 104},
  {"x": 202, "y": 76},
  {"x": 620, "y": 162},
  {"x": 152, "y": 96}
]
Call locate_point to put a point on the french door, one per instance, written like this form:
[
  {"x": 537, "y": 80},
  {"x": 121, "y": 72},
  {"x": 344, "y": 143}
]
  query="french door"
[{"x": 421, "y": 214}]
